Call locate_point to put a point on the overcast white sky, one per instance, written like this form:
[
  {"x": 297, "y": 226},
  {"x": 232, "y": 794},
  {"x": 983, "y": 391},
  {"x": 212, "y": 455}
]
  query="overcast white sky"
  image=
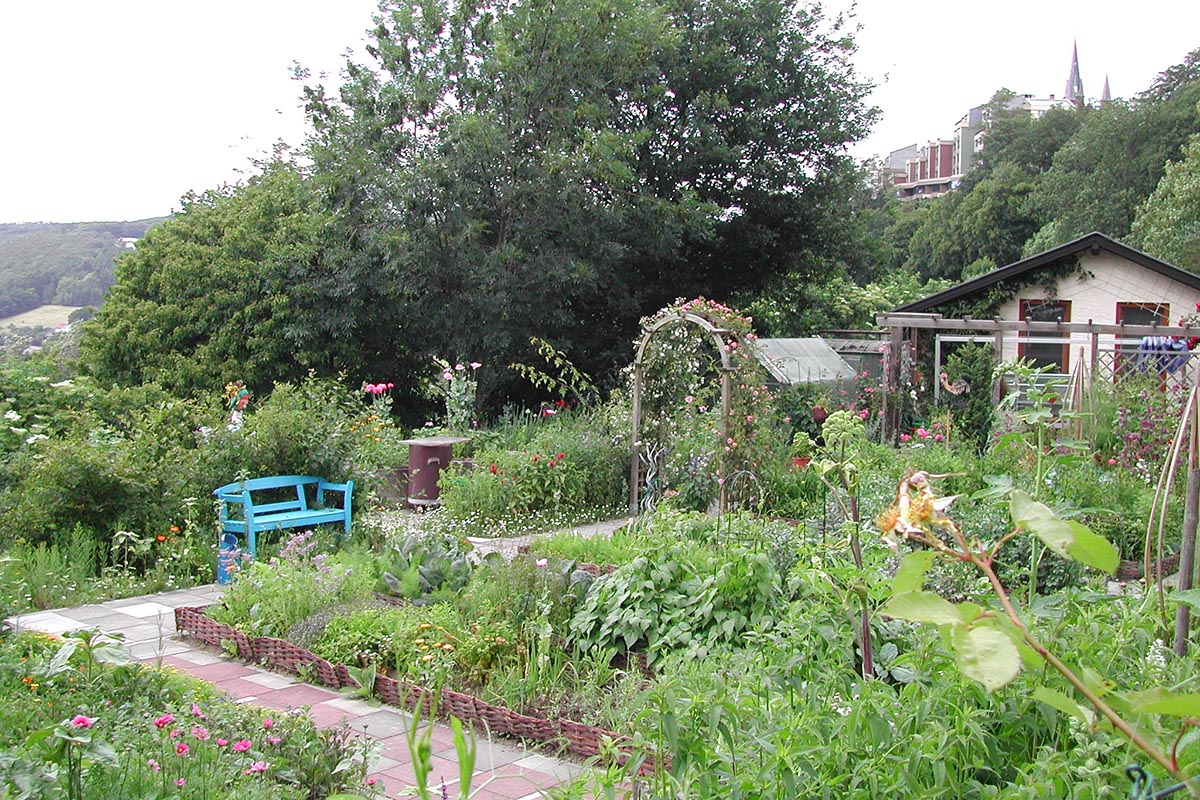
[{"x": 114, "y": 110}]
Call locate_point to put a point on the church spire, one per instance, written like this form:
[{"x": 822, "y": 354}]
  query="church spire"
[
  {"x": 1074, "y": 91},
  {"x": 1106, "y": 95}
]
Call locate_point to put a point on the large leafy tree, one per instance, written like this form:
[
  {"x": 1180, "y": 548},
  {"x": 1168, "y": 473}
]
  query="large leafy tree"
[
  {"x": 989, "y": 222},
  {"x": 559, "y": 169},
  {"x": 1118, "y": 155},
  {"x": 209, "y": 296},
  {"x": 1168, "y": 224}
]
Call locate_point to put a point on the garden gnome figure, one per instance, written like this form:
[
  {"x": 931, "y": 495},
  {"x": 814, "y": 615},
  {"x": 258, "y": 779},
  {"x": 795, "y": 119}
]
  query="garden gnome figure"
[
  {"x": 237, "y": 397},
  {"x": 957, "y": 388}
]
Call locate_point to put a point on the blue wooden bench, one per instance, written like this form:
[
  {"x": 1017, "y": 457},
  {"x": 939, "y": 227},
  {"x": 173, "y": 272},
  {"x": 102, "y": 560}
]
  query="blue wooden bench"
[{"x": 279, "y": 502}]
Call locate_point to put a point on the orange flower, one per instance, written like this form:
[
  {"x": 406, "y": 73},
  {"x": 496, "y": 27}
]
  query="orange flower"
[
  {"x": 174, "y": 529},
  {"x": 160, "y": 538}
]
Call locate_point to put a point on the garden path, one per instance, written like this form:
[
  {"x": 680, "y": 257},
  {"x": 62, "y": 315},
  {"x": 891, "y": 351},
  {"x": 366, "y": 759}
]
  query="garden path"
[
  {"x": 509, "y": 546},
  {"x": 504, "y": 770}
]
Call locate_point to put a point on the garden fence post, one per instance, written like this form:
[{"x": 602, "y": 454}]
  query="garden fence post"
[{"x": 1191, "y": 507}]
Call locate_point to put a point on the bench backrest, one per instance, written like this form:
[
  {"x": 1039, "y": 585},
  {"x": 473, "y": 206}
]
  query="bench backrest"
[{"x": 240, "y": 491}]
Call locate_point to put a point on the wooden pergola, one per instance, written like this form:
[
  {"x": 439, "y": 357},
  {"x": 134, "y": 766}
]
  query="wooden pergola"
[
  {"x": 720, "y": 336},
  {"x": 998, "y": 330}
]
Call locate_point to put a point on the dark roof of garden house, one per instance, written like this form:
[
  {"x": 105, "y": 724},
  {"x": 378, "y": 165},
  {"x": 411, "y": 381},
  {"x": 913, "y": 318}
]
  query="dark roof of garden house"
[
  {"x": 1095, "y": 242},
  {"x": 808, "y": 360}
]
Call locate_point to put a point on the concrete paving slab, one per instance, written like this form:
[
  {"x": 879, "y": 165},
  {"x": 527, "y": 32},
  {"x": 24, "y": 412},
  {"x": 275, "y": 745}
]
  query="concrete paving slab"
[
  {"x": 152, "y": 651},
  {"x": 491, "y": 754},
  {"x": 86, "y": 613},
  {"x": 273, "y": 680},
  {"x": 149, "y": 610},
  {"x": 561, "y": 770},
  {"x": 382, "y": 723},
  {"x": 48, "y": 622}
]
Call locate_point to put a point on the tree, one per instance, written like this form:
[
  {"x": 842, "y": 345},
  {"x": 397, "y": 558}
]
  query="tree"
[
  {"x": 207, "y": 298},
  {"x": 1116, "y": 158},
  {"x": 1168, "y": 224},
  {"x": 561, "y": 169},
  {"x": 1014, "y": 136},
  {"x": 989, "y": 221}
]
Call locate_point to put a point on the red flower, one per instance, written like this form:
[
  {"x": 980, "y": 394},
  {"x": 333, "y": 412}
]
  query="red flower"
[
  {"x": 492, "y": 468},
  {"x": 561, "y": 456}
]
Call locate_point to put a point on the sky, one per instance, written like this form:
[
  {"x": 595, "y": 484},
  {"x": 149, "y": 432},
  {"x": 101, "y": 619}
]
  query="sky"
[{"x": 115, "y": 110}]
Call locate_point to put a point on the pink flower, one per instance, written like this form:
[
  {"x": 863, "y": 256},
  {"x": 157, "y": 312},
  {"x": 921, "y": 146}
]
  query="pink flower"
[
  {"x": 924, "y": 434},
  {"x": 688, "y": 399},
  {"x": 447, "y": 375},
  {"x": 196, "y": 712},
  {"x": 154, "y": 765},
  {"x": 459, "y": 367},
  {"x": 273, "y": 740},
  {"x": 904, "y": 437},
  {"x": 181, "y": 749},
  {"x": 80, "y": 721},
  {"x": 200, "y": 733},
  {"x": 257, "y": 766},
  {"x": 222, "y": 742},
  {"x": 164, "y": 721},
  {"x": 268, "y": 723},
  {"x": 475, "y": 365},
  {"x": 181, "y": 782},
  {"x": 1112, "y": 462},
  {"x": 937, "y": 437},
  {"x": 864, "y": 414},
  {"x": 541, "y": 562},
  {"x": 241, "y": 745},
  {"x": 174, "y": 734}
]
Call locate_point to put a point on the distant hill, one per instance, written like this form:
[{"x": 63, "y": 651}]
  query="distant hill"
[{"x": 68, "y": 264}]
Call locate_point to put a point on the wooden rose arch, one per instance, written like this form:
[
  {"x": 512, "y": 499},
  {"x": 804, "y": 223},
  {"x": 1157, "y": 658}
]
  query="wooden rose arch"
[{"x": 733, "y": 339}]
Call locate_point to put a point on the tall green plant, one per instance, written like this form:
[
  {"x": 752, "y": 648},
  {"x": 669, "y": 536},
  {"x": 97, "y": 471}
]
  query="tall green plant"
[{"x": 990, "y": 647}]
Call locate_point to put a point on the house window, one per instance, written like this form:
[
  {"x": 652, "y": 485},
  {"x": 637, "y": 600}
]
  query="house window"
[
  {"x": 1136, "y": 314},
  {"x": 1043, "y": 353},
  {"x": 1143, "y": 313}
]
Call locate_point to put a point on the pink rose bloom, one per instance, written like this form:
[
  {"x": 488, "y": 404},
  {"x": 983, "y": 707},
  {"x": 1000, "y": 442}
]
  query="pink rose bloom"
[
  {"x": 80, "y": 721},
  {"x": 924, "y": 434},
  {"x": 904, "y": 437}
]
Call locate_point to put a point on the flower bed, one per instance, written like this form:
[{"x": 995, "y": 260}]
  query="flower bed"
[{"x": 574, "y": 737}]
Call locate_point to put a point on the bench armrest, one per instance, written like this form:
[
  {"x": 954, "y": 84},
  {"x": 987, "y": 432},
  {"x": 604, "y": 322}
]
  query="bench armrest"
[{"x": 347, "y": 489}]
